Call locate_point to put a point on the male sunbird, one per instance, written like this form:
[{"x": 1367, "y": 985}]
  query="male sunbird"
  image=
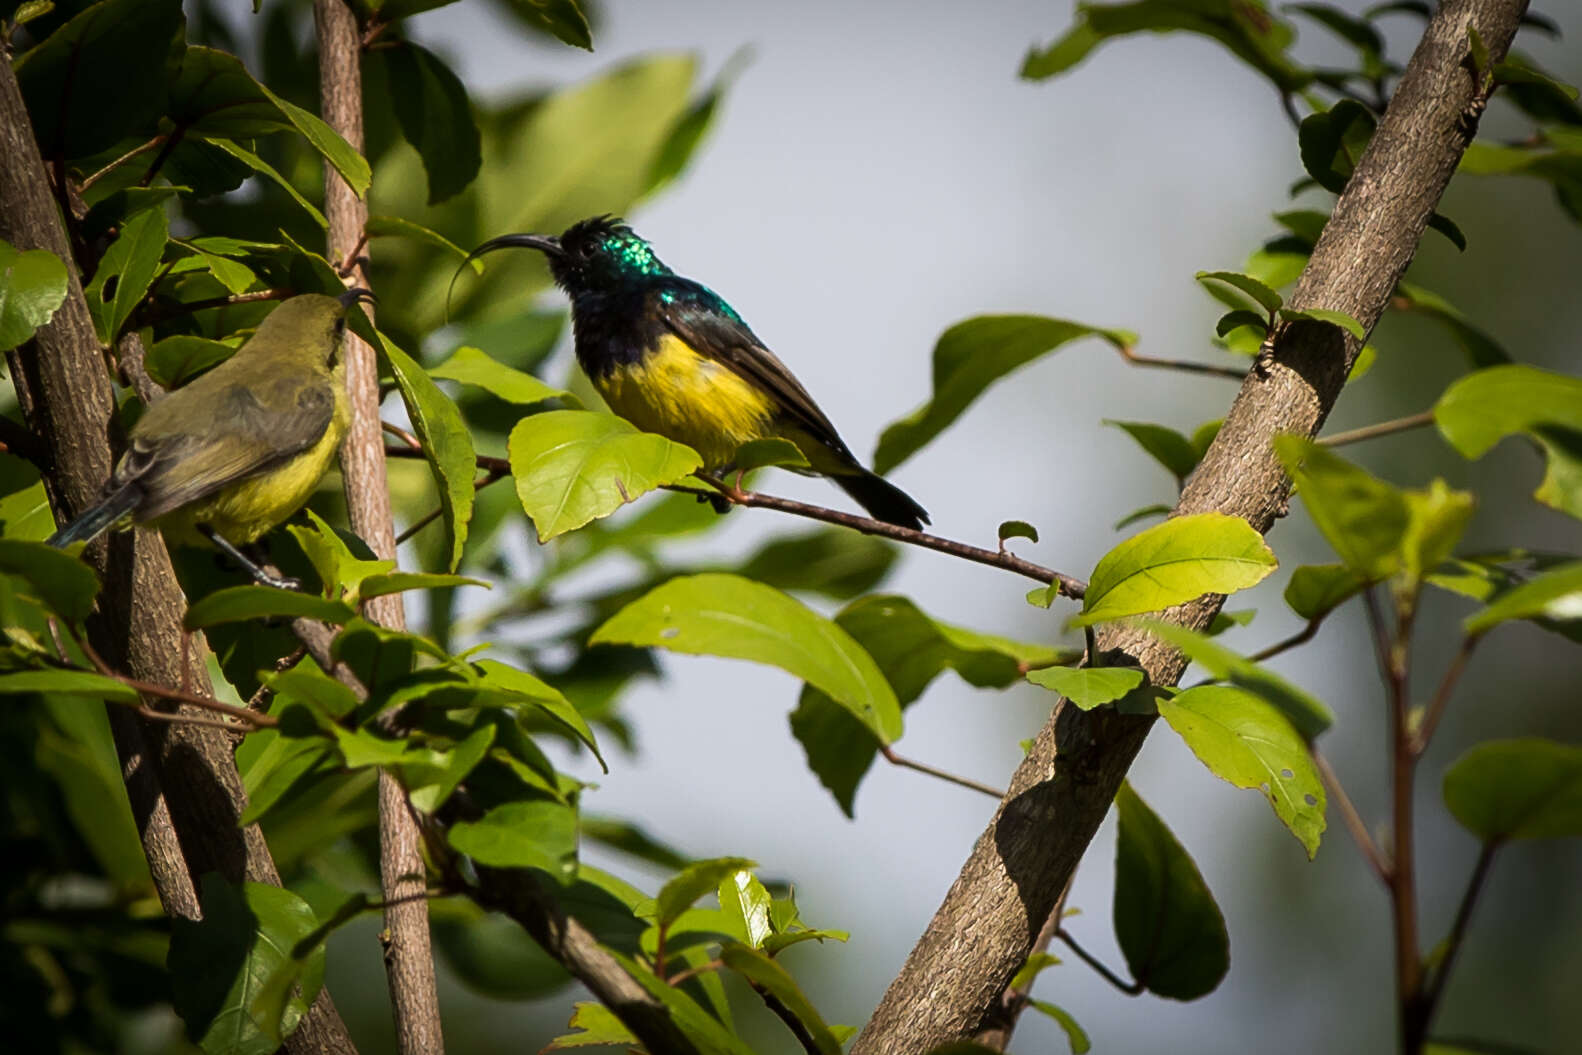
[
  {"x": 672, "y": 357},
  {"x": 241, "y": 448}
]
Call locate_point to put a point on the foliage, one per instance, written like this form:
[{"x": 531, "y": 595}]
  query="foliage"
[{"x": 199, "y": 181}]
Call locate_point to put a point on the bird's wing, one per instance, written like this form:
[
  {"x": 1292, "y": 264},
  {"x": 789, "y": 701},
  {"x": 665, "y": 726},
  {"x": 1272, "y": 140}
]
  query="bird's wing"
[
  {"x": 710, "y": 328},
  {"x": 245, "y": 430}
]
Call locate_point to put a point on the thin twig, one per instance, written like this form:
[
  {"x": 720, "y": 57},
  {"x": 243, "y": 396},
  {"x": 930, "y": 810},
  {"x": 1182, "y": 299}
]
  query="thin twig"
[
  {"x": 165, "y": 150},
  {"x": 1447, "y": 684},
  {"x": 1068, "y": 586},
  {"x": 492, "y": 476},
  {"x": 1383, "y": 428},
  {"x": 950, "y": 778},
  {"x": 1301, "y": 637},
  {"x": 155, "y": 313},
  {"x": 144, "y": 148},
  {"x": 413, "y": 444},
  {"x": 1129, "y": 988},
  {"x": 153, "y": 714},
  {"x": 1403, "y": 876},
  {"x": 1131, "y": 356},
  {"x": 175, "y": 695},
  {"x": 693, "y": 972},
  {"x": 1348, "y": 812},
  {"x": 1435, "y": 987}
]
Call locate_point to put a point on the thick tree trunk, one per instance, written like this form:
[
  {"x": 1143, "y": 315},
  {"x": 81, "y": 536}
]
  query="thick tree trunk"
[{"x": 986, "y": 926}]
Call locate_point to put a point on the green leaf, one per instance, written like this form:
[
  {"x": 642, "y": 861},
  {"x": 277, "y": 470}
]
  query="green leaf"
[
  {"x": 397, "y": 582},
  {"x": 67, "y": 683},
  {"x": 1256, "y": 291},
  {"x": 1017, "y": 529},
  {"x": 832, "y": 561},
  {"x": 1166, "y": 921},
  {"x": 1336, "y": 318},
  {"x": 132, "y": 261},
  {"x": 561, "y": 18},
  {"x": 1332, "y": 142},
  {"x": 396, "y": 226},
  {"x": 768, "y": 976},
  {"x": 242, "y": 603},
  {"x": 1483, "y": 408},
  {"x": 537, "y": 834},
  {"x": 705, "y": 1031},
  {"x": 1305, "y": 712},
  {"x": 746, "y": 902},
  {"x": 263, "y": 168},
  {"x": 1436, "y": 520},
  {"x": 431, "y": 106},
  {"x": 447, "y": 444},
  {"x": 772, "y": 450},
  {"x": 341, "y": 571},
  {"x": 1175, "y": 562},
  {"x": 102, "y": 76},
  {"x": 599, "y": 1028},
  {"x": 1317, "y": 589},
  {"x": 1363, "y": 518},
  {"x": 1239, "y": 317},
  {"x": 1076, "y": 1036},
  {"x": 60, "y": 582},
  {"x": 691, "y": 883},
  {"x": 1089, "y": 687},
  {"x": 686, "y": 135},
  {"x": 521, "y": 686},
  {"x": 1482, "y": 350},
  {"x": 224, "y": 967},
  {"x": 1517, "y": 789},
  {"x": 1030, "y": 970},
  {"x": 911, "y": 649},
  {"x": 1046, "y": 597},
  {"x": 1358, "y": 32},
  {"x": 345, "y": 159},
  {"x": 573, "y": 466},
  {"x": 969, "y": 357},
  {"x": 1555, "y": 594},
  {"x": 1449, "y": 228},
  {"x": 1166, "y": 446},
  {"x": 633, "y": 840},
  {"x": 471, "y": 366},
  {"x": 286, "y": 764},
  {"x": 1246, "y": 29},
  {"x": 725, "y": 615},
  {"x": 32, "y": 286},
  {"x": 1244, "y": 740}
]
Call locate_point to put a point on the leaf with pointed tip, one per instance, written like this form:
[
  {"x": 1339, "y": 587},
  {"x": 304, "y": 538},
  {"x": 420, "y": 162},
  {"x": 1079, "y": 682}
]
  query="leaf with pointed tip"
[
  {"x": 1017, "y": 529},
  {"x": 1166, "y": 921},
  {"x": 60, "y": 582},
  {"x": 563, "y": 19},
  {"x": 769, "y": 977},
  {"x": 1089, "y": 687},
  {"x": 435, "y": 116},
  {"x": 771, "y": 450},
  {"x": 971, "y": 356},
  {"x": 1255, "y": 290},
  {"x": 1244, "y": 740},
  {"x": 1175, "y": 562},
  {"x": 396, "y": 226},
  {"x": 683, "y": 890},
  {"x": 1363, "y": 518},
  {"x": 1076, "y": 1036},
  {"x": 243, "y": 603},
  {"x": 1335, "y": 318},
  {"x": 471, "y": 366},
  {"x": 1483, "y": 408},
  {"x": 447, "y": 444},
  {"x": 269, "y": 172},
  {"x": 132, "y": 261},
  {"x": 535, "y": 833},
  {"x": 598, "y": 1028},
  {"x": 573, "y": 466},
  {"x": 67, "y": 683},
  {"x": 1517, "y": 789},
  {"x": 1167, "y": 446},
  {"x": 1332, "y": 142}
]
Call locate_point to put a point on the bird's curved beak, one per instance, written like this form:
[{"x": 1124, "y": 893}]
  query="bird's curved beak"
[
  {"x": 357, "y": 295},
  {"x": 546, "y": 244}
]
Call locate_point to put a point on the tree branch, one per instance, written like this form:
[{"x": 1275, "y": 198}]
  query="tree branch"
[
  {"x": 409, "y": 962},
  {"x": 987, "y": 924},
  {"x": 182, "y": 780},
  {"x": 1383, "y": 428},
  {"x": 1184, "y": 365},
  {"x": 1348, "y": 812},
  {"x": 1447, "y": 685},
  {"x": 1435, "y": 988}
]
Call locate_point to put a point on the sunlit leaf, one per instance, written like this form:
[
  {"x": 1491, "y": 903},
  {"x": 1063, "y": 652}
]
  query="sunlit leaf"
[
  {"x": 692, "y": 883},
  {"x": 1305, "y": 712},
  {"x": 526, "y": 834},
  {"x": 1089, "y": 687},
  {"x": 1363, "y": 518},
  {"x": 447, "y": 444},
  {"x": 1555, "y": 594},
  {"x": 32, "y": 286},
  {"x": 471, "y": 366},
  {"x": 1175, "y": 562}
]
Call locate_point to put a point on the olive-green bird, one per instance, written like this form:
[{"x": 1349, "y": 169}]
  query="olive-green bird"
[
  {"x": 672, "y": 357},
  {"x": 231, "y": 455}
]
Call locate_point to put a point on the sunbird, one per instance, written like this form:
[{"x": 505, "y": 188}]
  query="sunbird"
[
  {"x": 231, "y": 455},
  {"x": 672, "y": 357}
]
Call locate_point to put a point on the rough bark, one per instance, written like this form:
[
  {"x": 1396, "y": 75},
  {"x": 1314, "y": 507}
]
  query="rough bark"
[
  {"x": 185, "y": 790},
  {"x": 989, "y": 919},
  {"x": 409, "y": 963}
]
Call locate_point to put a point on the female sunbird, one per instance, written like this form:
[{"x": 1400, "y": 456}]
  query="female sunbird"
[
  {"x": 241, "y": 448},
  {"x": 670, "y": 356}
]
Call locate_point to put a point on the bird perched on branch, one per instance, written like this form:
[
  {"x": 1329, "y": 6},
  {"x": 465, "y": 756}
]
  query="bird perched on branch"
[
  {"x": 672, "y": 357},
  {"x": 232, "y": 454}
]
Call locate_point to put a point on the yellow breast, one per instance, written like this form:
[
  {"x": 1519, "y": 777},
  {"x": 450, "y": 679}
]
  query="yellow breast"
[{"x": 683, "y": 396}]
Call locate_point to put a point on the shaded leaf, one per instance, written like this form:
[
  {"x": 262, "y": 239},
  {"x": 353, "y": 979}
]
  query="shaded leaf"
[
  {"x": 1483, "y": 408},
  {"x": 1166, "y": 921},
  {"x": 1517, "y": 789},
  {"x": 1317, "y": 589},
  {"x": 1167, "y": 446},
  {"x": 396, "y": 226},
  {"x": 1244, "y": 740},
  {"x": 1017, "y": 529},
  {"x": 431, "y": 106},
  {"x": 61, "y": 583},
  {"x": 1556, "y": 594},
  {"x": 1252, "y": 288},
  {"x": 768, "y": 976},
  {"x": 1305, "y": 712},
  {"x": 447, "y": 444},
  {"x": 563, "y": 19},
  {"x": 1363, "y": 518},
  {"x": 241, "y": 603},
  {"x": 1336, "y": 318},
  {"x": 263, "y": 168},
  {"x": 132, "y": 261},
  {"x": 1332, "y": 142},
  {"x": 32, "y": 286},
  {"x": 67, "y": 683},
  {"x": 1076, "y": 1036},
  {"x": 969, "y": 357}
]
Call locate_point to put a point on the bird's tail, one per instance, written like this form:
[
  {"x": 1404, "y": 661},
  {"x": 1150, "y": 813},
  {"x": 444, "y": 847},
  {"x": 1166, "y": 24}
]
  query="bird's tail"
[
  {"x": 109, "y": 509},
  {"x": 882, "y": 499}
]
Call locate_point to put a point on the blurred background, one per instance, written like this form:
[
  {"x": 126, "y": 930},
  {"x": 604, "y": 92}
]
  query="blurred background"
[{"x": 877, "y": 172}]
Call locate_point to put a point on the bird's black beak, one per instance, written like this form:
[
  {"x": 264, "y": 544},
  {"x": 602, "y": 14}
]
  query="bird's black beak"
[
  {"x": 357, "y": 295},
  {"x": 546, "y": 244}
]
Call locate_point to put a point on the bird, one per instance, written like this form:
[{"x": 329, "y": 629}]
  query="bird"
[
  {"x": 672, "y": 357},
  {"x": 226, "y": 458}
]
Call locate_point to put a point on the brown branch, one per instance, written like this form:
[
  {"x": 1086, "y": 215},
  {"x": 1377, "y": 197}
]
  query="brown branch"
[
  {"x": 1301, "y": 637},
  {"x": 1185, "y": 365},
  {"x": 1348, "y": 812},
  {"x": 143, "y": 148},
  {"x": 186, "y": 794},
  {"x": 409, "y": 961},
  {"x": 153, "y": 313},
  {"x": 1447, "y": 685},
  {"x": 1383, "y": 428},
  {"x": 894, "y": 759},
  {"x": 987, "y": 924}
]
